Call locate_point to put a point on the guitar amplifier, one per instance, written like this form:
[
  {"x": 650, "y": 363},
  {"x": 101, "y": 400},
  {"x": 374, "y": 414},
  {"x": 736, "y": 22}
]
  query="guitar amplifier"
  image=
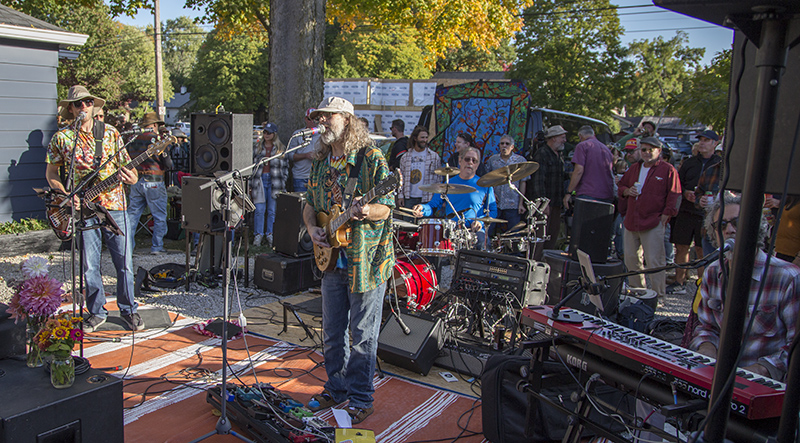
[
  {"x": 285, "y": 275},
  {"x": 503, "y": 274}
]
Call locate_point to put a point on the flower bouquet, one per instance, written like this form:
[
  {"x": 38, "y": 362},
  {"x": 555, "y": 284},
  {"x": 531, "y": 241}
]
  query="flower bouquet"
[
  {"x": 37, "y": 297},
  {"x": 57, "y": 338}
]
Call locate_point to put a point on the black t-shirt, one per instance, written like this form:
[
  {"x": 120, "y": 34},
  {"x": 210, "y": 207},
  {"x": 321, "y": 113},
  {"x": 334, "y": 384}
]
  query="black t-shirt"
[{"x": 399, "y": 147}]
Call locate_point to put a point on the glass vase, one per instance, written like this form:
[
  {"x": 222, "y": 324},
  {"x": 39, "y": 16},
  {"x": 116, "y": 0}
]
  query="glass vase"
[
  {"x": 62, "y": 370},
  {"x": 34, "y": 357}
]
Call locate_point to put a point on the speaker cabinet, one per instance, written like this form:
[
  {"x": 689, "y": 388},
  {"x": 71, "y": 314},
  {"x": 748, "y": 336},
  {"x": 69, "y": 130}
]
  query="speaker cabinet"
[
  {"x": 564, "y": 270},
  {"x": 32, "y": 411},
  {"x": 285, "y": 275},
  {"x": 221, "y": 142},
  {"x": 740, "y": 119},
  {"x": 592, "y": 226},
  {"x": 201, "y": 209},
  {"x": 415, "y": 351},
  {"x": 290, "y": 236}
]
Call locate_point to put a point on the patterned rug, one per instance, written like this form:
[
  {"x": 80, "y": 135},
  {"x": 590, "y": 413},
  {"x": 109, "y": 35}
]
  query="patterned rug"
[{"x": 167, "y": 372}]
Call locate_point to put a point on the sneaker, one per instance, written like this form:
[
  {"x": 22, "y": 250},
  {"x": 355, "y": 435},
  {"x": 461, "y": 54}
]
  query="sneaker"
[
  {"x": 269, "y": 239},
  {"x": 157, "y": 252},
  {"x": 133, "y": 321},
  {"x": 92, "y": 322},
  {"x": 257, "y": 240},
  {"x": 676, "y": 289}
]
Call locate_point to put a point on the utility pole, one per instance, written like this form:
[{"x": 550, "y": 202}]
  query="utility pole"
[{"x": 160, "y": 109}]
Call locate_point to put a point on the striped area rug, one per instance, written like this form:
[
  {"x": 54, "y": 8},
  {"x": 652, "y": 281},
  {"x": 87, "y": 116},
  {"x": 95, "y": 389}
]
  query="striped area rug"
[{"x": 167, "y": 372}]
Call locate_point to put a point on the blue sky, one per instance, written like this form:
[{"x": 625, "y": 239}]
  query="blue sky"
[{"x": 640, "y": 19}]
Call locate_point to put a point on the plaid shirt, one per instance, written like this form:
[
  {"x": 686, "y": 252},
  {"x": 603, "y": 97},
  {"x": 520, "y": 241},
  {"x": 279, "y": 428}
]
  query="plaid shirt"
[
  {"x": 431, "y": 163},
  {"x": 708, "y": 181},
  {"x": 776, "y": 316},
  {"x": 505, "y": 196},
  {"x": 548, "y": 180}
]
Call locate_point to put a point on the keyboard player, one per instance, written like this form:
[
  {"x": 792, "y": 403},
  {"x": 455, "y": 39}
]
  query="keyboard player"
[{"x": 766, "y": 349}]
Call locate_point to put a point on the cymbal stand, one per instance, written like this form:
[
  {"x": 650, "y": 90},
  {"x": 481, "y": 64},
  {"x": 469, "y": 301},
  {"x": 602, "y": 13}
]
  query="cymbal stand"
[{"x": 535, "y": 208}]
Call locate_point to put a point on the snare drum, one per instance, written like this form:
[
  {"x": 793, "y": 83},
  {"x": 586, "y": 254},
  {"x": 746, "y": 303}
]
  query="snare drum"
[
  {"x": 415, "y": 280},
  {"x": 435, "y": 237}
]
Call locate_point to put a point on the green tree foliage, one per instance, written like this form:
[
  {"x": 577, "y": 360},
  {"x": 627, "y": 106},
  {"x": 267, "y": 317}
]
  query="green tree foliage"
[
  {"x": 369, "y": 52},
  {"x": 137, "y": 73},
  {"x": 179, "y": 44},
  {"x": 468, "y": 58},
  {"x": 705, "y": 99},
  {"x": 234, "y": 72},
  {"x": 662, "y": 69},
  {"x": 571, "y": 59}
]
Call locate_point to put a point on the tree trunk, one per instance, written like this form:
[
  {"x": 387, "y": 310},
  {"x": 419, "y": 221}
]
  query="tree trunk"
[{"x": 297, "y": 40}]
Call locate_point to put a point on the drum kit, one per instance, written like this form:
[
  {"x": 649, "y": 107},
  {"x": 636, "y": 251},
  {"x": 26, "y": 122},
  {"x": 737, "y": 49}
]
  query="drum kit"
[{"x": 414, "y": 278}]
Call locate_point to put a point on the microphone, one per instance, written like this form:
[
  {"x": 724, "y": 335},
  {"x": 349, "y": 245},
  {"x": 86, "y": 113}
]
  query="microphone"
[
  {"x": 81, "y": 116},
  {"x": 729, "y": 244},
  {"x": 406, "y": 329},
  {"x": 309, "y": 131},
  {"x": 132, "y": 131}
]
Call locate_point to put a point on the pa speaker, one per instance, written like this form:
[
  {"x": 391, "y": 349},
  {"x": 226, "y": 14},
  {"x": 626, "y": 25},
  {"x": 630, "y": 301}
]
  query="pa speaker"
[
  {"x": 221, "y": 142},
  {"x": 202, "y": 209},
  {"x": 592, "y": 225},
  {"x": 563, "y": 270},
  {"x": 290, "y": 236},
  {"x": 740, "y": 118},
  {"x": 415, "y": 351}
]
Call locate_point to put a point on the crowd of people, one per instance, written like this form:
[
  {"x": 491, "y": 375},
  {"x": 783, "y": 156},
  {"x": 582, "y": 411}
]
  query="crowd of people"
[{"x": 658, "y": 206}]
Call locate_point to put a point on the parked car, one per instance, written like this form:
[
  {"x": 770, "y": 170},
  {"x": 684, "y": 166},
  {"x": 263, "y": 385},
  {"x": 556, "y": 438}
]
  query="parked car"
[
  {"x": 681, "y": 149},
  {"x": 186, "y": 128}
]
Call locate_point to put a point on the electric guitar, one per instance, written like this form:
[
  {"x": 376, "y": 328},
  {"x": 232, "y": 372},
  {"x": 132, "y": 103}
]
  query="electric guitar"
[
  {"x": 336, "y": 226},
  {"x": 59, "y": 217}
]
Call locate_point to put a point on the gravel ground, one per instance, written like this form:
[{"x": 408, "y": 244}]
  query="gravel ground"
[{"x": 199, "y": 302}]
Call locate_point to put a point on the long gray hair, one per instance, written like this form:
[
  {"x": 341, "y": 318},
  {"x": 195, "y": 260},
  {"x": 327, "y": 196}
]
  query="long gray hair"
[{"x": 355, "y": 137}]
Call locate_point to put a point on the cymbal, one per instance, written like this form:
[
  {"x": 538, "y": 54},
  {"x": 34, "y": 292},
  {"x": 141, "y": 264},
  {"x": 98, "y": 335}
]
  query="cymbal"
[
  {"x": 513, "y": 231},
  {"x": 404, "y": 225},
  {"x": 447, "y": 170},
  {"x": 405, "y": 211},
  {"x": 447, "y": 188},
  {"x": 490, "y": 220},
  {"x": 500, "y": 176}
]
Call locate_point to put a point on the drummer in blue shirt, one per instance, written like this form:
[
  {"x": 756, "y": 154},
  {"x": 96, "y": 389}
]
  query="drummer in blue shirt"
[{"x": 474, "y": 205}]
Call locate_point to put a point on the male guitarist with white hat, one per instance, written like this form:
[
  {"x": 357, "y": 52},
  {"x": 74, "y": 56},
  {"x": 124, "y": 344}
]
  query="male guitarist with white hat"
[
  {"x": 80, "y": 105},
  {"x": 354, "y": 283}
]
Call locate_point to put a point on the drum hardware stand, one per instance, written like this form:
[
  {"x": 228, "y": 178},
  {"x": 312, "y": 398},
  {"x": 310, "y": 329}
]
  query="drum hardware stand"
[{"x": 535, "y": 208}]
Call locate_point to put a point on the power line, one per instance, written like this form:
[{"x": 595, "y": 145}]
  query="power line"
[{"x": 674, "y": 29}]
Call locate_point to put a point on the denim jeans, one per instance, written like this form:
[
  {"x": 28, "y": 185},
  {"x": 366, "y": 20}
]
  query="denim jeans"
[
  {"x": 154, "y": 196},
  {"x": 267, "y": 207},
  {"x": 119, "y": 248},
  {"x": 300, "y": 184},
  {"x": 345, "y": 314}
]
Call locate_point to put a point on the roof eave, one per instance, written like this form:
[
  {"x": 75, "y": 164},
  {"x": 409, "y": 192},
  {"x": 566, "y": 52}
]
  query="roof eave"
[{"x": 42, "y": 35}]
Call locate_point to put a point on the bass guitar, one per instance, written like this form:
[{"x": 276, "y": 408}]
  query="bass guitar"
[
  {"x": 337, "y": 228},
  {"x": 60, "y": 217}
]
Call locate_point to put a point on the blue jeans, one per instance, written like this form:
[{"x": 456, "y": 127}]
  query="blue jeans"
[
  {"x": 267, "y": 207},
  {"x": 119, "y": 248},
  {"x": 154, "y": 196},
  {"x": 300, "y": 184},
  {"x": 350, "y": 370}
]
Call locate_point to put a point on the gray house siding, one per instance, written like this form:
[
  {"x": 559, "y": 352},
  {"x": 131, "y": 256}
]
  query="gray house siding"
[{"x": 28, "y": 76}]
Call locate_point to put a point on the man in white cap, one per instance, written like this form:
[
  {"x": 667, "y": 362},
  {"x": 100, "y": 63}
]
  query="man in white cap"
[
  {"x": 80, "y": 105},
  {"x": 352, "y": 293}
]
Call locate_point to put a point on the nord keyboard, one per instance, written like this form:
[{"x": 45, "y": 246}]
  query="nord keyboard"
[{"x": 754, "y": 396}]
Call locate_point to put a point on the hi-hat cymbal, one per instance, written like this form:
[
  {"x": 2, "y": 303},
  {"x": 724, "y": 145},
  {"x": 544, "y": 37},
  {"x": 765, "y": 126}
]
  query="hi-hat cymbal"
[
  {"x": 489, "y": 220},
  {"x": 447, "y": 170},
  {"x": 516, "y": 172},
  {"x": 513, "y": 231},
  {"x": 404, "y": 225},
  {"x": 447, "y": 188}
]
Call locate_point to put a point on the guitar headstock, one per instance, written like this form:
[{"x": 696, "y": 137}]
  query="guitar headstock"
[
  {"x": 389, "y": 184},
  {"x": 161, "y": 145}
]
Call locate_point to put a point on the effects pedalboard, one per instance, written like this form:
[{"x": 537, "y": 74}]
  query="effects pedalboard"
[{"x": 267, "y": 415}]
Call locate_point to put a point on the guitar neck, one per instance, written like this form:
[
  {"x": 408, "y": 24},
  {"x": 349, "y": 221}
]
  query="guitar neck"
[
  {"x": 113, "y": 179},
  {"x": 345, "y": 216}
]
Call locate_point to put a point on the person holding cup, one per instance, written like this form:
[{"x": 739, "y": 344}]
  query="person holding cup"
[{"x": 645, "y": 218}]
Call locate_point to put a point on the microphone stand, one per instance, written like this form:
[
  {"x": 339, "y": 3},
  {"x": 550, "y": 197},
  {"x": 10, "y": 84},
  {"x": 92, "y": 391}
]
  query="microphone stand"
[{"x": 226, "y": 184}]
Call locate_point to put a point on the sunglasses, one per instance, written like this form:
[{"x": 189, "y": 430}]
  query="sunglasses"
[
  {"x": 470, "y": 160},
  {"x": 724, "y": 223},
  {"x": 84, "y": 102},
  {"x": 504, "y": 143}
]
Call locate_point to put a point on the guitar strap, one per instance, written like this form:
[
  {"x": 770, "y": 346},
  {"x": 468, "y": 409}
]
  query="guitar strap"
[
  {"x": 353, "y": 179},
  {"x": 98, "y": 131}
]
